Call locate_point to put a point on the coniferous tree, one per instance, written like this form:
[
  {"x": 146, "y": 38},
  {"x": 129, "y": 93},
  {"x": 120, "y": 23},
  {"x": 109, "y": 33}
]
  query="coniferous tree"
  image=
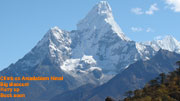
[
  {"x": 109, "y": 99},
  {"x": 129, "y": 94},
  {"x": 163, "y": 77},
  {"x": 178, "y": 63}
]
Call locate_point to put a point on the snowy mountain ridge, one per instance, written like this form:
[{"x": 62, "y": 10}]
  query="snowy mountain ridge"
[
  {"x": 167, "y": 42},
  {"x": 101, "y": 18}
]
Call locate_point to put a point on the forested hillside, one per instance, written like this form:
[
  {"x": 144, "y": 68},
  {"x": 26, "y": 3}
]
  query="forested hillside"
[{"x": 163, "y": 88}]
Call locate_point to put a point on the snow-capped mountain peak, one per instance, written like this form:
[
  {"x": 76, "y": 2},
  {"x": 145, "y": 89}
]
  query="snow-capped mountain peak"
[
  {"x": 98, "y": 35},
  {"x": 103, "y": 8},
  {"x": 167, "y": 43},
  {"x": 167, "y": 38},
  {"x": 54, "y": 45},
  {"x": 101, "y": 18},
  {"x": 52, "y": 33}
]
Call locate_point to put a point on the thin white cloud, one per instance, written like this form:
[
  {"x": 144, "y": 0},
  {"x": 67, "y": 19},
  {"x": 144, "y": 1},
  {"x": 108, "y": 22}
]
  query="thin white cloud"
[
  {"x": 149, "y": 30},
  {"x": 152, "y": 9},
  {"x": 140, "y": 29},
  {"x": 136, "y": 29},
  {"x": 174, "y": 5},
  {"x": 158, "y": 37},
  {"x": 137, "y": 11}
]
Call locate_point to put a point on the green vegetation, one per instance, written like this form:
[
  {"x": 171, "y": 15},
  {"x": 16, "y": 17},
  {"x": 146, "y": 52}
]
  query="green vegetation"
[
  {"x": 163, "y": 88},
  {"x": 109, "y": 99},
  {"x": 166, "y": 87}
]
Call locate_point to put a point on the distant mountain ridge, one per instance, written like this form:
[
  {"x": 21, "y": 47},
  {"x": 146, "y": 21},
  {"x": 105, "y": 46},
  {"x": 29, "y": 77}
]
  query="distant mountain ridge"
[{"x": 167, "y": 42}]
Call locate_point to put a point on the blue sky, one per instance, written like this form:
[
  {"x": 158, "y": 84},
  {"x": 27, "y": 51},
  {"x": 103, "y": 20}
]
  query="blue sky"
[{"x": 24, "y": 22}]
